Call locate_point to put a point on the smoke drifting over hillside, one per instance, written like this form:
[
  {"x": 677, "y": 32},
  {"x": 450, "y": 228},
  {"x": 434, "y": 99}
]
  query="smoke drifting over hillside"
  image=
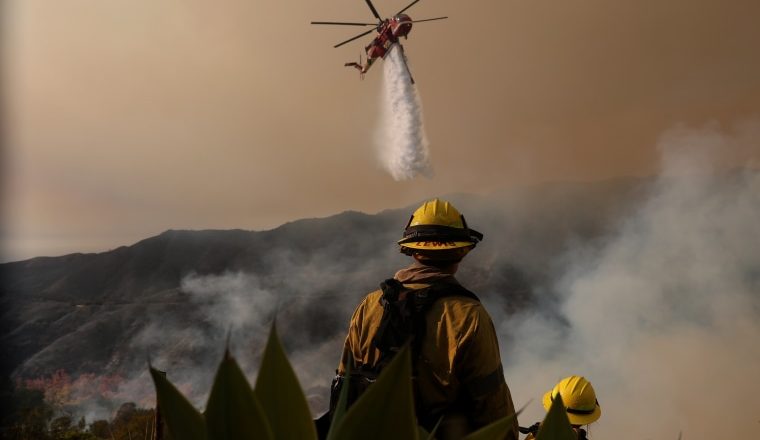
[
  {"x": 401, "y": 139},
  {"x": 654, "y": 295},
  {"x": 664, "y": 317},
  {"x": 304, "y": 296}
]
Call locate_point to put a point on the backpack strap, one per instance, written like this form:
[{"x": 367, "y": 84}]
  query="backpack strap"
[
  {"x": 404, "y": 316},
  {"x": 395, "y": 326}
]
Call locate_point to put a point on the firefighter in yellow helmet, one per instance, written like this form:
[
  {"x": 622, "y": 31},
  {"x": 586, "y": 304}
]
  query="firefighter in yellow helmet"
[
  {"x": 458, "y": 376},
  {"x": 579, "y": 398}
]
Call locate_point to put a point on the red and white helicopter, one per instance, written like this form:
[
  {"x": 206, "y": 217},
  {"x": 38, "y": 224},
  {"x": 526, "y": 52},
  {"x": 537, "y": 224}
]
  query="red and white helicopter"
[{"x": 389, "y": 31}]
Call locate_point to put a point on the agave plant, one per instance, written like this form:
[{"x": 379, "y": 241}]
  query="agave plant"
[
  {"x": 276, "y": 407},
  {"x": 556, "y": 425}
]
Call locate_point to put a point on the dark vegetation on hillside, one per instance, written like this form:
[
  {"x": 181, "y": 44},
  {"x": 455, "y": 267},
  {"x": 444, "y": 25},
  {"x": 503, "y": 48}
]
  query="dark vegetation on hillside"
[{"x": 26, "y": 415}]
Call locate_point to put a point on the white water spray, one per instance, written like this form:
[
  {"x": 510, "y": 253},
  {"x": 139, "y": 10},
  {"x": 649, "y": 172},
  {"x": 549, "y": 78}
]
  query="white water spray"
[{"x": 401, "y": 139}]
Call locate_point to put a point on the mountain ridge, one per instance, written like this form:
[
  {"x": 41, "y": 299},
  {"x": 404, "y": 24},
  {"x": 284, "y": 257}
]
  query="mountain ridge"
[{"x": 79, "y": 312}]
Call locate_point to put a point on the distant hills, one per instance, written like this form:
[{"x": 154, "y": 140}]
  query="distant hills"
[{"x": 174, "y": 296}]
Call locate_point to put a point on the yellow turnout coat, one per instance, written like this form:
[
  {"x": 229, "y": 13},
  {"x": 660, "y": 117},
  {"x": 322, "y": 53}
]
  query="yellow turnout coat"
[{"x": 459, "y": 372}]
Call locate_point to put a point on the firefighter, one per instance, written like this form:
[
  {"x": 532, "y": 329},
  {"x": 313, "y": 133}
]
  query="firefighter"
[
  {"x": 457, "y": 371},
  {"x": 580, "y": 400}
]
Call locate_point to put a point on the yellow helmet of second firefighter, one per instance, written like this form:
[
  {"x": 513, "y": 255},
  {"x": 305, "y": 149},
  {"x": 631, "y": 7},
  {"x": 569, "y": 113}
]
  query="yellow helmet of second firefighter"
[
  {"x": 438, "y": 226},
  {"x": 579, "y": 398}
]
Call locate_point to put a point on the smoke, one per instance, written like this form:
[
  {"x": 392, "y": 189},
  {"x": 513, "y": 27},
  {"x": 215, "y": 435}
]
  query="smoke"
[
  {"x": 655, "y": 297},
  {"x": 188, "y": 345},
  {"x": 664, "y": 316},
  {"x": 231, "y": 300},
  {"x": 401, "y": 139},
  {"x": 234, "y": 307},
  {"x": 311, "y": 285},
  {"x": 305, "y": 295}
]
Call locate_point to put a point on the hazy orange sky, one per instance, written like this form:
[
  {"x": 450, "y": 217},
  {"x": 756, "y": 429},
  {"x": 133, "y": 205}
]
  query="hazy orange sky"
[{"x": 124, "y": 118}]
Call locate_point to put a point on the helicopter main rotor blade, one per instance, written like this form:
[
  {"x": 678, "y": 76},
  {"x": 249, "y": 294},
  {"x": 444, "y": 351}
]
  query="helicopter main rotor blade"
[
  {"x": 428, "y": 19},
  {"x": 407, "y": 7},
  {"x": 344, "y": 23},
  {"x": 354, "y": 38},
  {"x": 374, "y": 11}
]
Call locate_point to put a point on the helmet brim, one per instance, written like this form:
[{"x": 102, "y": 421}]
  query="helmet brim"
[
  {"x": 575, "y": 419},
  {"x": 437, "y": 245}
]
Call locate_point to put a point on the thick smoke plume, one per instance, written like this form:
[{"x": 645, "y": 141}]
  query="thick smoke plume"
[
  {"x": 402, "y": 143},
  {"x": 664, "y": 317}
]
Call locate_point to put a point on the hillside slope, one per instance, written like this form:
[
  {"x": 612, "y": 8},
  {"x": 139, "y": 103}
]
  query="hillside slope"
[{"x": 176, "y": 294}]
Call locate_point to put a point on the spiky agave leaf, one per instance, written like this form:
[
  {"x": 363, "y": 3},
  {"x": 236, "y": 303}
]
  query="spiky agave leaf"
[
  {"x": 422, "y": 433},
  {"x": 386, "y": 409},
  {"x": 497, "y": 429},
  {"x": 556, "y": 425},
  {"x": 431, "y": 435},
  {"x": 233, "y": 411},
  {"x": 183, "y": 420},
  {"x": 280, "y": 394}
]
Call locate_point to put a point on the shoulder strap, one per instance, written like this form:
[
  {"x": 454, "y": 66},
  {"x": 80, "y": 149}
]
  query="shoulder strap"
[
  {"x": 395, "y": 325},
  {"x": 404, "y": 315}
]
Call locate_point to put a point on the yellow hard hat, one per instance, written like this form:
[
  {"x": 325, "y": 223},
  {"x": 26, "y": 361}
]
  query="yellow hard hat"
[
  {"x": 579, "y": 397},
  {"x": 438, "y": 226}
]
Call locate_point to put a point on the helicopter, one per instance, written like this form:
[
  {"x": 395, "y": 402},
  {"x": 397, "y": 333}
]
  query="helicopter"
[{"x": 389, "y": 31}]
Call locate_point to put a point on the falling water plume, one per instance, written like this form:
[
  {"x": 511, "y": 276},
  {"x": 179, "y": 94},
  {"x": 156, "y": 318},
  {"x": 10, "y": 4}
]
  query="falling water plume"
[{"x": 401, "y": 139}]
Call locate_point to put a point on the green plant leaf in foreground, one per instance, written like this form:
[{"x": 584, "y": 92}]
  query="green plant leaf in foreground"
[
  {"x": 556, "y": 425},
  {"x": 280, "y": 394},
  {"x": 233, "y": 412},
  {"x": 340, "y": 407},
  {"x": 182, "y": 419},
  {"x": 495, "y": 430},
  {"x": 386, "y": 409}
]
